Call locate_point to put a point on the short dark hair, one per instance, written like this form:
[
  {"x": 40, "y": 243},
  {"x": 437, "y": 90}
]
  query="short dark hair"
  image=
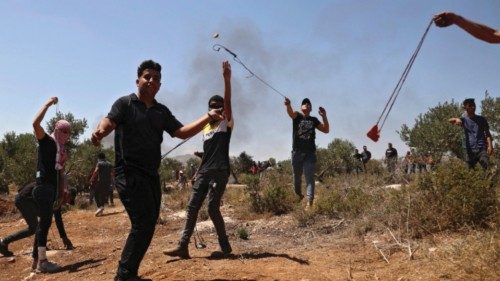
[
  {"x": 306, "y": 101},
  {"x": 101, "y": 156},
  {"x": 148, "y": 64},
  {"x": 215, "y": 98},
  {"x": 468, "y": 101}
]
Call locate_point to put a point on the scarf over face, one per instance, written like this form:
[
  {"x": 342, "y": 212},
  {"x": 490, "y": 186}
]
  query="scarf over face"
[{"x": 61, "y": 134}]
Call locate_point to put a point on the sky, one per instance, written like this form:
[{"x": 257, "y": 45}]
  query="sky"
[{"x": 346, "y": 56}]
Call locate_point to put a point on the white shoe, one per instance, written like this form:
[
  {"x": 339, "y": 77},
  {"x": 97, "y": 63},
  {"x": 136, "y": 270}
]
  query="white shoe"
[
  {"x": 99, "y": 212},
  {"x": 45, "y": 266}
]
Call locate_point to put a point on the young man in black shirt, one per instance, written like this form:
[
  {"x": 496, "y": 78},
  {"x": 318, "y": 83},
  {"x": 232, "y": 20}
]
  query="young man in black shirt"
[
  {"x": 50, "y": 166},
  {"x": 213, "y": 174},
  {"x": 365, "y": 157},
  {"x": 304, "y": 146},
  {"x": 139, "y": 122},
  {"x": 391, "y": 158}
]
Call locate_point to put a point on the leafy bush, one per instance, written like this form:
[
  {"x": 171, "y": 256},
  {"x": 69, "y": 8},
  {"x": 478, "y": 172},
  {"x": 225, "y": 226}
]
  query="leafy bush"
[
  {"x": 449, "y": 199},
  {"x": 350, "y": 203},
  {"x": 271, "y": 194}
]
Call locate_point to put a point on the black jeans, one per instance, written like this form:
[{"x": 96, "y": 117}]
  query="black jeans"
[
  {"x": 141, "y": 197},
  {"x": 44, "y": 196},
  {"x": 213, "y": 184},
  {"x": 29, "y": 211}
]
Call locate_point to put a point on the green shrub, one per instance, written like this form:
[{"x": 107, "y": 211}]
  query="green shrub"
[
  {"x": 242, "y": 233},
  {"x": 271, "y": 194},
  {"x": 449, "y": 199},
  {"x": 351, "y": 202}
]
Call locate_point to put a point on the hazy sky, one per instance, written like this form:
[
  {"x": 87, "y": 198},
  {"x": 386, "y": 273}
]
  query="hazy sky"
[{"x": 346, "y": 56}]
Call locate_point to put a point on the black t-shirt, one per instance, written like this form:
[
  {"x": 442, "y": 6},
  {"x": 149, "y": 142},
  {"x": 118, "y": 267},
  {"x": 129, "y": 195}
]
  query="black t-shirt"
[
  {"x": 104, "y": 172},
  {"x": 139, "y": 133},
  {"x": 304, "y": 133},
  {"x": 391, "y": 153},
  {"x": 216, "y": 138},
  {"x": 46, "y": 163},
  {"x": 366, "y": 156}
]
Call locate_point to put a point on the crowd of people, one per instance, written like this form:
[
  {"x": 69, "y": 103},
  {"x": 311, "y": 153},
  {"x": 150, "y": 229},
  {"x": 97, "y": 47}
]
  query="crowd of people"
[{"x": 139, "y": 121}]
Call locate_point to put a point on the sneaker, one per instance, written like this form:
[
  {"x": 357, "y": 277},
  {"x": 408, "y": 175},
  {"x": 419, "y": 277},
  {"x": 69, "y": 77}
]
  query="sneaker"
[
  {"x": 99, "y": 211},
  {"x": 225, "y": 252},
  {"x": 4, "y": 250},
  {"x": 226, "y": 248},
  {"x": 309, "y": 205},
  {"x": 179, "y": 251},
  {"x": 45, "y": 266}
]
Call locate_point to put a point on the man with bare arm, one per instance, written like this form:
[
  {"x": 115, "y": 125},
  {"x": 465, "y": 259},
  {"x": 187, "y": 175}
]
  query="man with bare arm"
[
  {"x": 478, "y": 30},
  {"x": 139, "y": 122}
]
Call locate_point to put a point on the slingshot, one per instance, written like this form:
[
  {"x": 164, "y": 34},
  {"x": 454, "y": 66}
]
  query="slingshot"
[
  {"x": 374, "y": 132},
  {"x": 217, "y": 48}
]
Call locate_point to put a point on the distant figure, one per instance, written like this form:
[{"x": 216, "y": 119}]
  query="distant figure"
[
  {"x": 478, "y": 140},
  {"x": 181, "y": 181},
  {"x": 101, "y": 179},
  {"x": 365, "y": 157},
  {"x": 480, "y": 31},
  {"x": 429, "y": 161},
  {"x": 410, "y": 162},
  {"x": 358, "y": 162},
  {"x": 304, "y": 145},
  {"x": 391, "y": 158}
]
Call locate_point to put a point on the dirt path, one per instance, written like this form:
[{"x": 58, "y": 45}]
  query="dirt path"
[{"x": 277, "y": 250}]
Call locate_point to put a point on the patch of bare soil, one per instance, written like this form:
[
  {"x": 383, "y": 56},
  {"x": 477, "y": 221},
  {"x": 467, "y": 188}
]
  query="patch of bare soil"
[{"x": 277, "y": 249}]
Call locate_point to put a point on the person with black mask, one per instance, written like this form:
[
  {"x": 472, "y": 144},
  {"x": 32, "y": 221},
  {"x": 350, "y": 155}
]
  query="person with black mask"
[{"x": 213, "y": 173}]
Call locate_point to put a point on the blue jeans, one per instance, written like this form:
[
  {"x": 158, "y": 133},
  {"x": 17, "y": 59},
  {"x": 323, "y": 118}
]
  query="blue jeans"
[{"x": 304, "y": 162}]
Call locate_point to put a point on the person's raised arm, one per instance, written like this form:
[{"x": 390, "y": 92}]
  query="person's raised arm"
[
  {"x": 289, "y": 109},
  {"x": 478, "y": 30},
  {"x": 226, "y": 72},
  {"x": 105, "y": 127},
  {"x": 323, "y": 126},
  {"x": 37, "y": 127}
]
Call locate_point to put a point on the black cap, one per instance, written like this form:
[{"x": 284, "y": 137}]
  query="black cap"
[
  {"x": 306, "y": 101},
  {"x": 468, "y": 101}
]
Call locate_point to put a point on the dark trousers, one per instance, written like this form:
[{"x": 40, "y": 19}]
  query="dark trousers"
[
  {"x": 141, "y": 197},
  {"x": 29, "y": 211},
  {"x": 101, "y": 193},
  {"x": 213, "y": 184},
  {"x": 472, "y": 157},
  {"x": 44, "y": 196}
]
